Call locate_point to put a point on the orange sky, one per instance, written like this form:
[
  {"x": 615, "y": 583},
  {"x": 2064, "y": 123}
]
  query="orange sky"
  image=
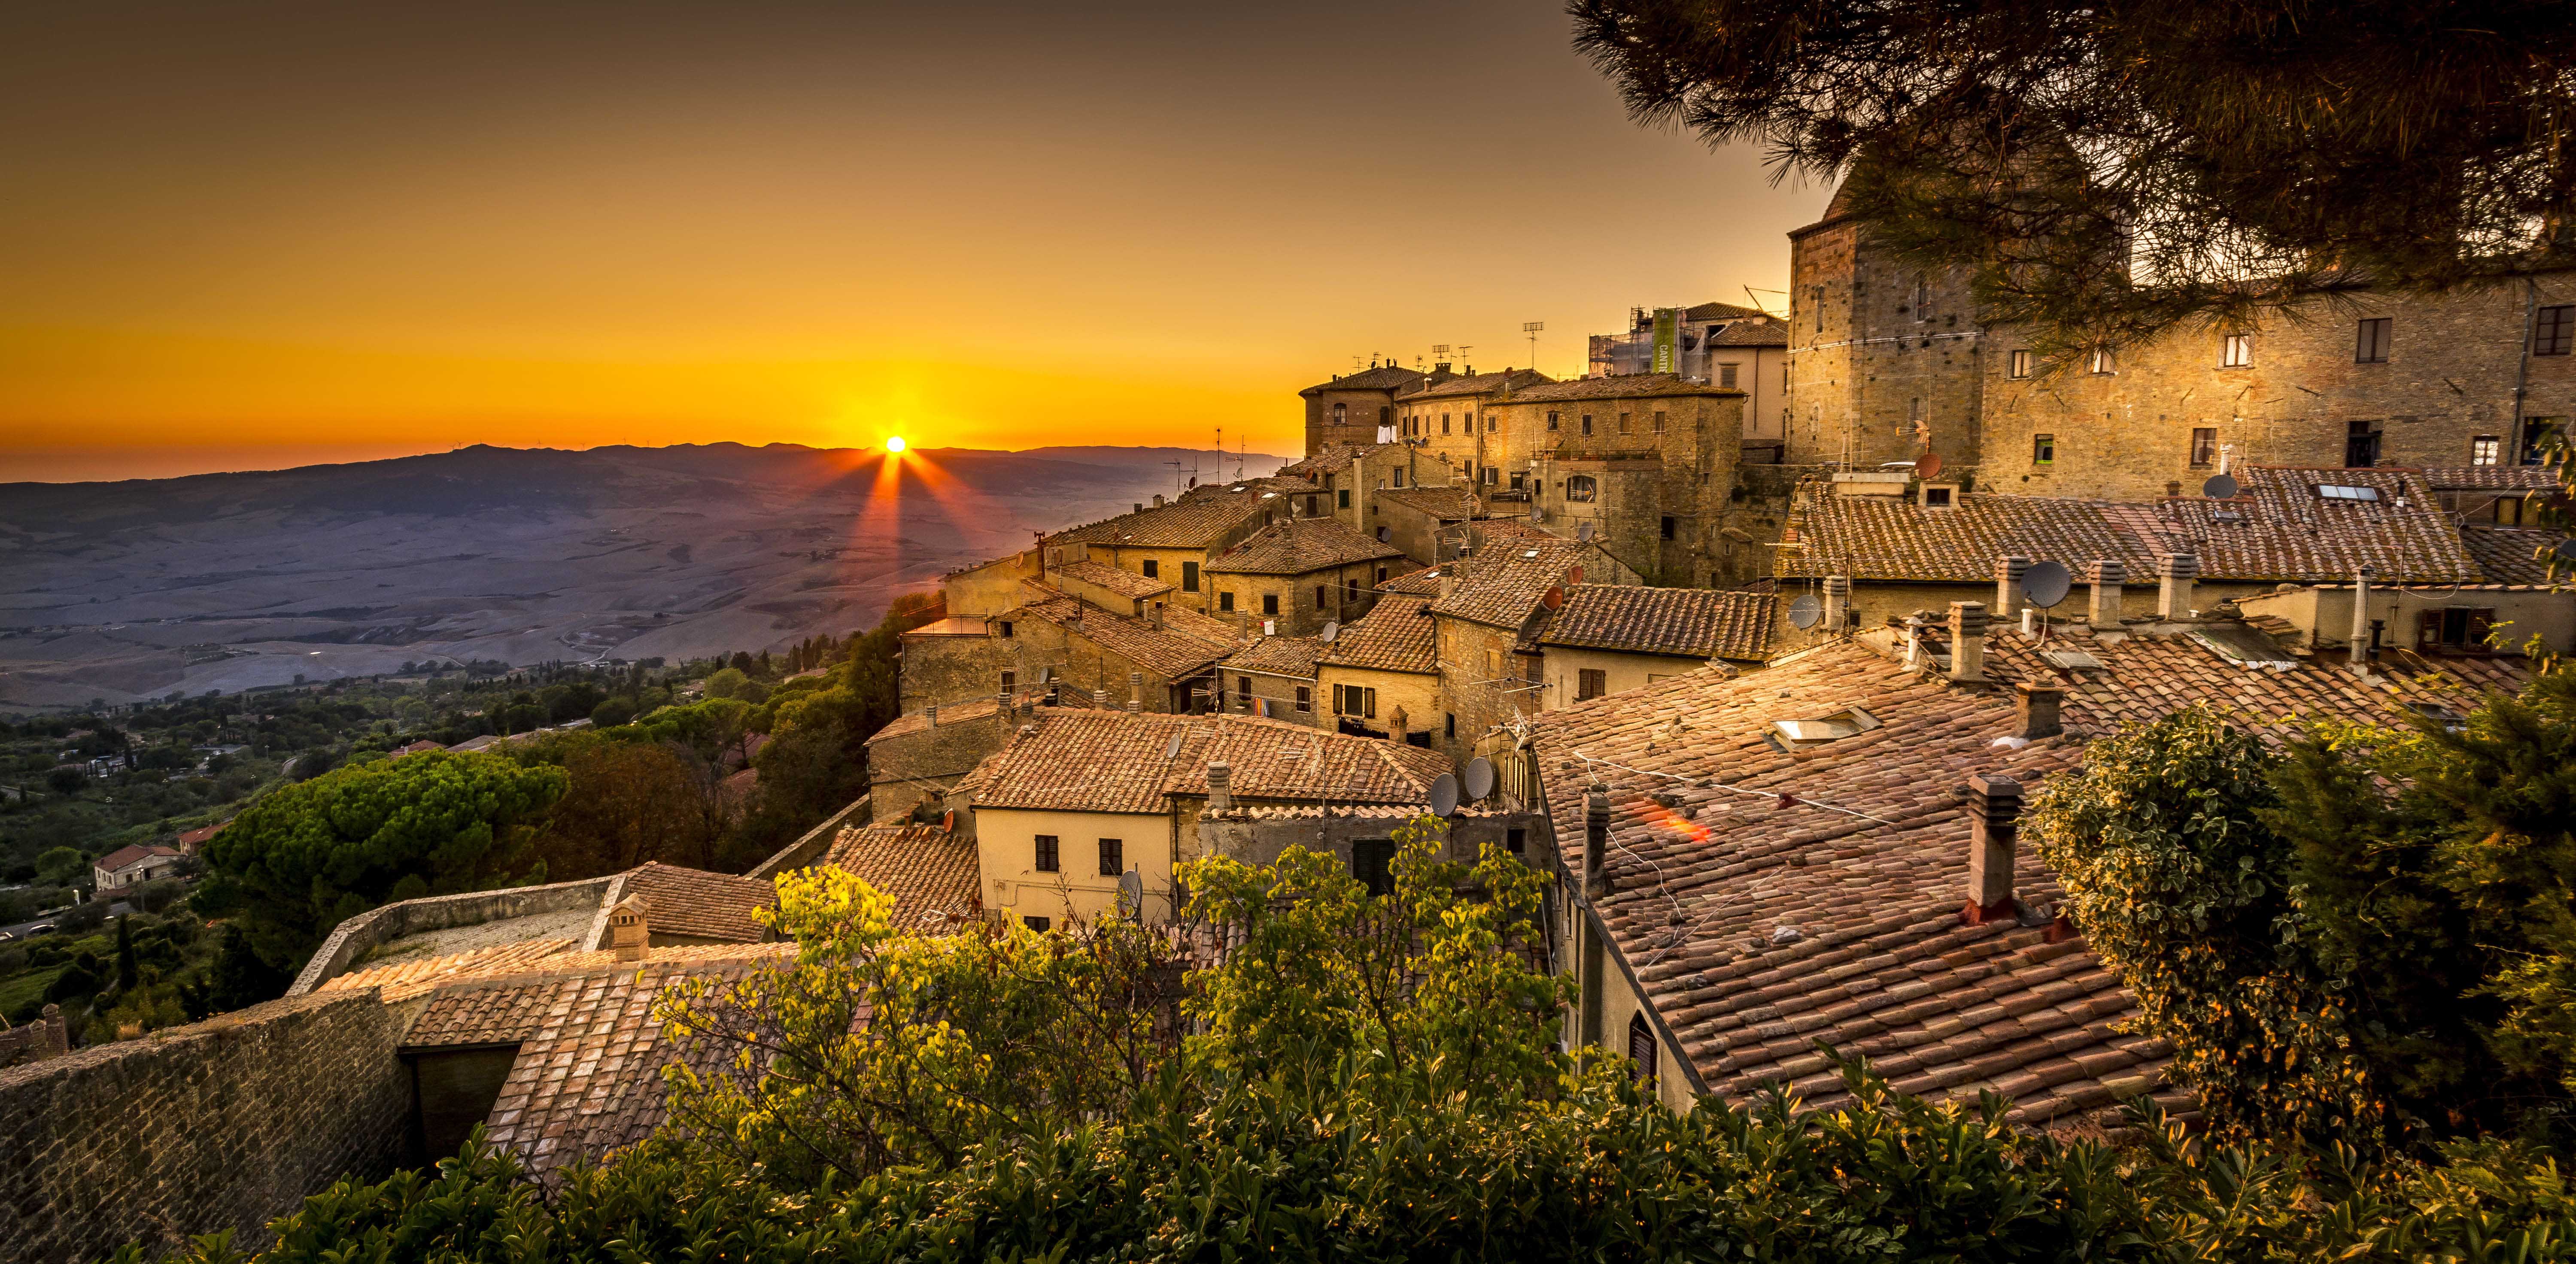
[{"x": 262, "y": 235}]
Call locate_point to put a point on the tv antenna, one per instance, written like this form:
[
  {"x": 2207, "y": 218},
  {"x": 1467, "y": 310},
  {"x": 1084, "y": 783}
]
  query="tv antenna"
[
  {"x": 1758, "y": 304},
  {"x": 1532, "y": 328},
  {"x": 1463, "y": 349}
]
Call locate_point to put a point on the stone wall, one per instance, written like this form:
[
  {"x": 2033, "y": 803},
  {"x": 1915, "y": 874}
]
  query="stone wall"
[
  {"x": 226, "y": 1124},
  {"x": 352, "y": 938},
  {"x": 810, "y": 848},
  {"x": 923, "y": 763}
]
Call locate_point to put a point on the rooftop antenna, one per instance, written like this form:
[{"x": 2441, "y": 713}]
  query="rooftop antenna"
[
  {"x": 1532, "y": 328},
  {"x": 1758, "y": 304},
  {"x": 1463, "y": 349}
]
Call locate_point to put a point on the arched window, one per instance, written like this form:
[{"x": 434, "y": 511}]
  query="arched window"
[
  {"x": 1581, "y": 487},
  {"x": 1641, "y": 1050}
]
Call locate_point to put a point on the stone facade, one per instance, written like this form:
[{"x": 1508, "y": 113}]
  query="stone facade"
[
  {"x": 1351, "y": 407},
  {"x": 1884, "y": 357},
  {"x": 920, "y": 757},
  {"x": 224, "y": 1124},
  {"x": 1646, "y": 463}
]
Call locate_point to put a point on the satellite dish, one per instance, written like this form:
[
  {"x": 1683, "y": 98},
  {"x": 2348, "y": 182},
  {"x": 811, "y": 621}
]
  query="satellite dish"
[
  {"x": 1131, "y": 893},
  {"x": 1537, "y": 514},
  {"x": 1806, "y": 612},
  {"x": 2045, "y": 584},
  {"x": 948, "y": 821},
  {"x": 1332, "y": 630},
  {"x": 2220, "y": 487},
  {"x": 1444, "y": 795},
  {"x": 1480, "y": 777},
  {"x": 1552, "y": 598},
  {"x": 1574, "y": 576},
  {"x": 1172, "y": 748},
  {"x": 1929, "y": 466},
  {"x": 1583, "y": 532}
]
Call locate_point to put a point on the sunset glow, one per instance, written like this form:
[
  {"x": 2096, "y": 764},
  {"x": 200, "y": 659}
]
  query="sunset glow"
[{"x": 894, "y": 444}]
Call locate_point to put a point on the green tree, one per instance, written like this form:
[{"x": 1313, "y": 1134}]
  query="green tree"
[
  {"x": 299, "y": 861},
  {"x": 734, "y": 683},
  {"x": 2111, "y": 170},
  {"x": 626, "y": 803},
  {"x": 60, "y": 865}
]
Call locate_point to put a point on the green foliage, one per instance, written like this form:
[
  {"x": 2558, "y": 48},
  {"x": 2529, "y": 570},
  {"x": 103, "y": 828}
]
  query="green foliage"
[
  {"x": 733, "y": 683},
  {"x": 62, "y": 865},
  {"x": 308, "y": 856}
]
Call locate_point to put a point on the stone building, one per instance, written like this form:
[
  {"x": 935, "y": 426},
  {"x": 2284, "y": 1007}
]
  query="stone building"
[
  {"x": 1644, "y": 465},
  {"x": 1354, "y": 408},
  {"x": 1298, "y": 574},
  {"x": 1714, "y": 344},
  {"x": 1448, "y": 422},
  {"x": 1610, "y": 638},
  {"x": 1486, "y": 620},
  {"x": 1273, "y": 677},
  {"x": 1380, "y": 677}
]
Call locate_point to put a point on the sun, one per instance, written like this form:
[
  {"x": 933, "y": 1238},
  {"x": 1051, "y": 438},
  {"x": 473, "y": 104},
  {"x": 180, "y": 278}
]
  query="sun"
[{"x": 894, "y": 443}]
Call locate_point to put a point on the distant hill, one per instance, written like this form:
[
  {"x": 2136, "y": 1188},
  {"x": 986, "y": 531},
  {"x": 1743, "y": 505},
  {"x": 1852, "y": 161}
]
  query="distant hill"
[{"x": 128, "y": 590}]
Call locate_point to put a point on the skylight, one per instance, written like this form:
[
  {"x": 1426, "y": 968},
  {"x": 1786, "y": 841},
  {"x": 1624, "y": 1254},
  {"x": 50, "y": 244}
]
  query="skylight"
[
  {"x": 1789, "y": 735},
  {"x": 2338, "y": 491}
]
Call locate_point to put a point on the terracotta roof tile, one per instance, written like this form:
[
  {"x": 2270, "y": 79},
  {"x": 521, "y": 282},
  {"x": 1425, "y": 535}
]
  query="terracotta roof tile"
[
  {"x": 1479, "y": 384},
  {"x": 1687, "y": 622},
  {"x": 1619, "y": 386},
  {"x": 1112, "y": 761},
  {"x": 1387, "y": 378},
  {"x": 699, "y": 904},
  {"x": 1195, "y": 521},
  {"x": 930, "y": 872},
  {"x": 1448, "y": 504},
  {"x": 2509, "y": 555},
  {"x": 1178, "y": 648},
  {"x": 1103, "y": 575},
  {"x": 2490, "y": 478},
  {"x": 1298, "y": 546},
  {"x": 1277, "y": 656},
  {"x": 1397, "y": 635},
  {"x": 1502, "y": 586}
]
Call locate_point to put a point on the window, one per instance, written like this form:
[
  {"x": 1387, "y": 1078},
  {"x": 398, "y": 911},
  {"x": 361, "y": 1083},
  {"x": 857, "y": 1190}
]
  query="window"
[
  {"x": 2486, "y": 450},
  {"x": 1005, "y": 627},
  {"x": 1038, "y": 924},
  {"x": 1444, "y": 423},
  {"x": 1338, "y": 410},
  {"x": 1816, "y": 300},
  {"x": 1381, "y": 575},
  {"x": 1225, "y": 601},
  {"x": 1590, "y": 683},
  {"x": 1922, "y": 296},
  {"x": 2043, "y": 449},
  {"x": 1581, "y": 487},
  {"x": 1937, "y": 497},
  {"x": 2553, "y": 330},
  {"x": 1516, "y": 841},
  {"x": 1373, "y": 863},
  {"x": 1305, "y": 700},
  {"x": 2102, "y": 361},
  {"x": 1641, "y": 1051},
  {"x": 1726, "y": 376},
  {"x": 1551, "y": 421},
  {"x": 1010, "y": 682},
  {"x": 1399, "y": 476},
  {"x": 2536, "y": 434},
  {"x": 1269, "y": 603},
  {"x": 1494, "y": 664},
  {"x": 1453, "y": 726},
  {"x": 1151, "y": 568},
  {"x": 1490, "y": 423},
  {"x": 1311, "y": 509},
  {"x": 2456, "y": 627},
  {"x": 1623, "y": 422},
  {"x": 1046, "y": 862},
  {"x": 2204, "y": 446},
  {"x": 1190, "y": 570},
  {"x": 1587, "y": 423},
  {"x": 1382, "y": 411},
  {"x": 1243, "y": 691},
  {"x": 2339, "y": 491},
  {"x": 2236, "y": 351},
  {"x": 2361, "y": 444},
  {"x": 1319, "y": 596},
  {"x": 1112, "y": 862},
  {"x": 1659, "y": 423},
  {"x": 1355, "y": 700},
  {"x": 1670, "y": 526},
  {"x": 2019, "y": 365},
  {"x": 1350, "y": 590},
  {"x": 2370, "y": 341}
]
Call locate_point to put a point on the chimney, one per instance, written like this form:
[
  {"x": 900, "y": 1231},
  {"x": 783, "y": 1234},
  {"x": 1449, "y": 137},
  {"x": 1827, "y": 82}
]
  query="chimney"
[
  {"x": 2358, "y": 653},
  {"x": 1837, "y": 604},
  {"x": 2035, "y": 709},
  {"x": 2106, "y": 575},
  {"x": 1913, "y": 639},
  {"x": 1398, "y": 726},
  {"x": 1099, "y": 699},
  {"x": 628, "y": 937},
  {"x": 2175, "y": 571},
  {"x": 1157, "y": 616},
  {"x": 1220, "y": 777},
  {"x": 2008, "y": 573},
  {"x": 1994, "y": 822},
  {"x": 931, "y": 712},
  {"x": 1967, "y": 641},
  {"x": 1448, "y": 578},
  {"x": 1140, "y": 506},
  {"x": 1596, "y": 842},
  {"x": 1003, "y": 704},
  {"x": 1158, "y": 500},
  {"x": 1135, "y": 692}
]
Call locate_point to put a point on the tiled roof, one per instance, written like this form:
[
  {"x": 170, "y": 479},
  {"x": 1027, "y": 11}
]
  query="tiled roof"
[
  {"x": 949, "y": 713},
  {"x": 1760, "y": 924},
  {"x": 1331, "y": 460},
  {"x": 2509, "y": 555},
  {"x": 417, "y": 975},
  {"x": 1448, "y": 504},
  {"x": 1502, "y": 586},
  {"x": 1278, "y": 656},
  {"x": 1103, "y": 575},
  {"x": 1387, "y": 378},
  {"x": 1168, "y": 651},
  {"x": 1480, "y": 384},
  {"x": 1745, "y": 333},
  {"x": 1111, "y": 761},
  {"x": 1718, "y": 311},
  {"x": 1195, "y": 521},
  {"x": 931, "y": 872},
  {"x": 1689, "y": 622},
  {"x": 1297, "y": 546},
  {"x": 1395, "y": 636},
  {"x": 953, "y": 625},
  {"x": 1421, "y": 583},
  {"x": 2490, "y": 478},
  {"x": 1619, "y": 386},
  {"x": 129, "y": 853},
  {"x": 1514, "y": 529},
  {"x": 699, "y": 904},
  {"x": 2278, "y": 529}
]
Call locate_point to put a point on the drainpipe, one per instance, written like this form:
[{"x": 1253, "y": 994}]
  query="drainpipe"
[{"x": 2522, "y": 378}]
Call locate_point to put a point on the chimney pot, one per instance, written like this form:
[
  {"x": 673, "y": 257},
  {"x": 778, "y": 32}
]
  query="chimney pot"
[
  {"x": 1967, "y": 641},
  {"x": 1220, "y": 777},
  {"x": 629, "y": 937},
  {"x": 1994, "y": 825},
  {"x": 1158, "y": 500},
  {"x": 2008, "y": 575},
  {"x": 2035, "y": 711},
  {"x": 2106, "y": 575},
  {"x": 1140, "y": 506},
  {"x": 1596, "y": 842},
  {"x": 1837, "y": 604},
  {"x": 1100, "y": 699},
  {"x": 2358, "y": 653},
  {"x": 931, "y": 713},
  {"x": 2174, "y": 573}
]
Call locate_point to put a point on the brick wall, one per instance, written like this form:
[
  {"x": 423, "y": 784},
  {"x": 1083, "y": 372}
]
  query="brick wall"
[
  {"x": 226, "y": 1124},
  {"x": 1361, "y": 412}
]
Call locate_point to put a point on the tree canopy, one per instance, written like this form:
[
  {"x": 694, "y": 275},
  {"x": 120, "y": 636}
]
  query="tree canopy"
[{"x": 2109, "y": 170}]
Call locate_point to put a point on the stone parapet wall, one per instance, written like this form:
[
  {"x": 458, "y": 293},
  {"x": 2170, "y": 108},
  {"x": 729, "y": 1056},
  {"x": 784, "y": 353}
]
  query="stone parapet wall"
[
  {"x": 225, "y": 1124},
  {"x": 354, "y": 937},
  {"x": 809, "y": 849}
]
